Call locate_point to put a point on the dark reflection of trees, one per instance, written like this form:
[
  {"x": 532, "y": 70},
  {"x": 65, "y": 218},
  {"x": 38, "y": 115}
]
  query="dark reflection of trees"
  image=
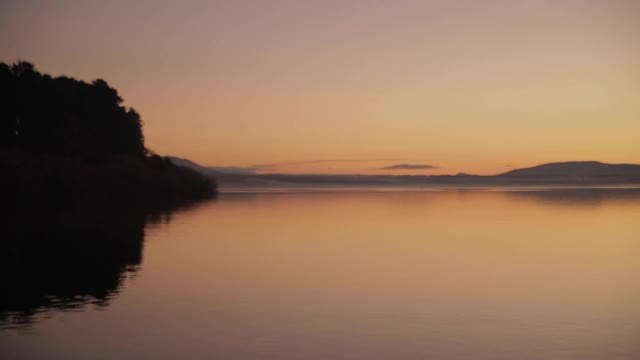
[
  {"x": 577, "y": 196},
  {"x": 67, "y": 259}
]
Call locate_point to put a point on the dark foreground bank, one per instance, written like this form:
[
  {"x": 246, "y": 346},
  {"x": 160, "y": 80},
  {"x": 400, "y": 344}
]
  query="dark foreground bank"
[
  {"x": 150, "y": 182},
  {"x": 66, "y": 141}
]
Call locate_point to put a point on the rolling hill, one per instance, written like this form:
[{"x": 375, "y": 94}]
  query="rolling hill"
[
  {"x": 577, "y": 170},
  {"x": 573, "y": 173}
]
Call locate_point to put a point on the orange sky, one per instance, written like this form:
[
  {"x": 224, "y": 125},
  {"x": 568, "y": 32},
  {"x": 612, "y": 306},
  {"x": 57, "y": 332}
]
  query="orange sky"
[{"x": 473, "y": 86}]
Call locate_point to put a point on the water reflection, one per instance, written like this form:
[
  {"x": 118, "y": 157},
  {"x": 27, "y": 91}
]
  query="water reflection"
[
  {"x": 68, "y": 260},
  {"x": 586, "y": 196},
  {"x": 367, "y": 274}
]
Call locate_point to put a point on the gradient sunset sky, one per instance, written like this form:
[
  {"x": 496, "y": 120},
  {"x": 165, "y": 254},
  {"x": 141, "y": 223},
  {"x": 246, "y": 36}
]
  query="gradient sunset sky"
[{"x": 355, "y": 86}]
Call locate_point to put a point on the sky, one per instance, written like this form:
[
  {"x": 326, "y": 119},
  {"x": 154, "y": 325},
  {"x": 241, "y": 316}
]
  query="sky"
[{"x": 368, "y": 87}]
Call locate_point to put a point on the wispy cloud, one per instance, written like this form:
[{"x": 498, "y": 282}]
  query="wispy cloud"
[
  {"x": 308, "y": 162},
  {"x": 234, "y": 169},
  {"x": 409, "y": 167}
]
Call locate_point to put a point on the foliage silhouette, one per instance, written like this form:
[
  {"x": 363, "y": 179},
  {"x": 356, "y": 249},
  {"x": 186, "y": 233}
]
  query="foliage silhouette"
[
  {"x": 66, "y": 117},
  {"x": 62, "y": 139}
]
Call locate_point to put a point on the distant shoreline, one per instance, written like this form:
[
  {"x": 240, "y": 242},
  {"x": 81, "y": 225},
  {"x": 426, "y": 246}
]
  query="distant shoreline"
[
  {"x": 562, "y": 174},
  {"x": 401, "y": 188}
]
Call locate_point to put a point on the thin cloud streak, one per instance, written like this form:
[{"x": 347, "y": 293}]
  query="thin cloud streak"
[
  {"x": 409, "y": 167},
  {"x": 234, "y": 169},
  {"x": 308, "y": 162}
]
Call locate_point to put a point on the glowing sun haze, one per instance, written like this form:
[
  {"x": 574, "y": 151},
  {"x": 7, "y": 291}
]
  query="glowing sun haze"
[{"x": 392, "y": 87}]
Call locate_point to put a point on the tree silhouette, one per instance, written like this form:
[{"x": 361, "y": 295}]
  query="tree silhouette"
[
  {"x": 64, "y": 116},
  {"x": 65, "y": 140}
]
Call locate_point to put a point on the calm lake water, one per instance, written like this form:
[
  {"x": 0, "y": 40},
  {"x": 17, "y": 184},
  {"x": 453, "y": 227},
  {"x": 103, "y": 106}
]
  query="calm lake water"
[{"x": 447, "y": 274}]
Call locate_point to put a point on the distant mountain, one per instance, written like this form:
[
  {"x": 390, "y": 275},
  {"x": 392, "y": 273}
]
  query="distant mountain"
[
  {"x": 579, "y": 173},
  {"x": 577, "y": 170},
  {"x": 185, "y": 163},
  {"x": 211, "y": 170}
]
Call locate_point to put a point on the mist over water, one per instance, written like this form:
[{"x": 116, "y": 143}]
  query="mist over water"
[{"x": 445, "y": 274}]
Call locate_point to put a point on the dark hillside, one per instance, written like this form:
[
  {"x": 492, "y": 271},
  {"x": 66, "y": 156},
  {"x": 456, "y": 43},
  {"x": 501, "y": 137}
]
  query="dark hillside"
[
  {"x": 577, "y": 169},
  {"x": 67, "y": 141}
]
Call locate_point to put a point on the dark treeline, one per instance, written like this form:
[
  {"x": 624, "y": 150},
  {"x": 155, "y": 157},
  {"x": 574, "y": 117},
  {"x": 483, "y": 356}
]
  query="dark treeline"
[
  {"x": 62, "y": 140},
  {"x": 65, "y": 117}
]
